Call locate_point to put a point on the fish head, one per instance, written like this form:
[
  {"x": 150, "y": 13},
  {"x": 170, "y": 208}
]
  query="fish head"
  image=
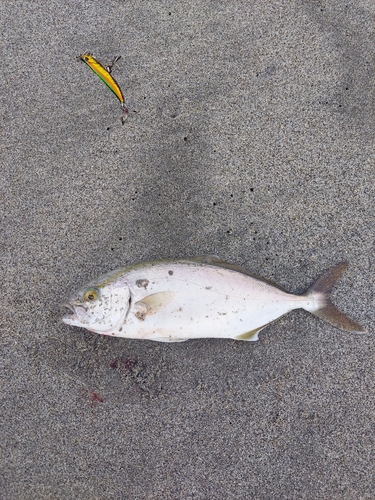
[{"x": 100, "y": 307}]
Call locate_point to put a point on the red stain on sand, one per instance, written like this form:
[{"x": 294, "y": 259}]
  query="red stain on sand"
[{"x": 96, "y": 397}]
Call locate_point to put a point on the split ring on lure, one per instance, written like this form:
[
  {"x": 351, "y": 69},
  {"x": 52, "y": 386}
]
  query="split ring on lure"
[{"x": 105, "y": 75}]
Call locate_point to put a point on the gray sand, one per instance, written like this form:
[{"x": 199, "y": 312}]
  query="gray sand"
[{"x": 250, "y": 136}]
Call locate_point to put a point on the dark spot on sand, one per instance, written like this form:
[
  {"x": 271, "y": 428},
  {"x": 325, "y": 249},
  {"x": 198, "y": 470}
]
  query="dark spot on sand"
[
  {"x": 123, "y": 364},
  {"x": 170, "y": 273}
]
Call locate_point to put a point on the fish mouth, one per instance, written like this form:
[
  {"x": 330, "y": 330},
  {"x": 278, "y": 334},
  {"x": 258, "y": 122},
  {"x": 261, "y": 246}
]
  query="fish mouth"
[
  {"x": 73, "y": 317},
  {"x": 70, "y": 307}
]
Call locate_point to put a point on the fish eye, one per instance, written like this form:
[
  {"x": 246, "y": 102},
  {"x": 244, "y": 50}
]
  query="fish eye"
[{"x": 91, "y": 295}]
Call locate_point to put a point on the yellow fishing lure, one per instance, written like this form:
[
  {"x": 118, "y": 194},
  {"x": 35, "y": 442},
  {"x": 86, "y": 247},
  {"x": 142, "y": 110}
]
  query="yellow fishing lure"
[{"x": 105, "y": 75}]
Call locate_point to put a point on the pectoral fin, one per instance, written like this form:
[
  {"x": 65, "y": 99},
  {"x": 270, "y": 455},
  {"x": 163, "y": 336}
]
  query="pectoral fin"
[{"x": 155, "y": 302}]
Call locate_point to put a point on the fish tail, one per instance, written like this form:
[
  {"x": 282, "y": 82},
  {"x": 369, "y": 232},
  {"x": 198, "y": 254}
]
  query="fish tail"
[{"x": 321, "y": 304}]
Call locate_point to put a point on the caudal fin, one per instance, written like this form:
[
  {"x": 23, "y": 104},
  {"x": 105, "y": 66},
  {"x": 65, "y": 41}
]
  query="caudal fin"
[{"x": 321, "y": 292}]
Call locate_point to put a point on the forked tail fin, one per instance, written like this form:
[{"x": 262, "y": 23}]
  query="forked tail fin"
[{"x": 320, "y": 293}]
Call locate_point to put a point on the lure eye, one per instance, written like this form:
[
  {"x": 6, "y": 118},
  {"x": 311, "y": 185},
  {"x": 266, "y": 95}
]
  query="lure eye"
[
  {"x": 91, "y": 295},
  {"x": 86, "y": 58}
]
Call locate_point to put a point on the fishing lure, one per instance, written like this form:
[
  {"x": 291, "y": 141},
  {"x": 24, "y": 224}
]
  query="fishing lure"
[{"x": 105, "y": 75}]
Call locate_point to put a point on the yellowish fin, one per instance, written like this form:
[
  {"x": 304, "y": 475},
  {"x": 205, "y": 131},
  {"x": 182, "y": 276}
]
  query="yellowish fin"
[
  {"x": 157, "y": 301},
  {"x": 251, "y": 336}
]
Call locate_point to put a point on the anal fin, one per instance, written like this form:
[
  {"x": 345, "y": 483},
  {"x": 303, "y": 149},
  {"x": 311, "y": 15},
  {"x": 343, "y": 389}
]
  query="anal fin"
[{"x": 250, "y": 336}]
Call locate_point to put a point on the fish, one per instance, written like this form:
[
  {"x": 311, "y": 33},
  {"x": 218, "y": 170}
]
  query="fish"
[
  {"x": 105, "y": 75},
  {"x": 201, "y": 297}
]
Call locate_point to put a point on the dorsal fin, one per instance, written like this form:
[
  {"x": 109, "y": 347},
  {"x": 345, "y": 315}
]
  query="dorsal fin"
[{"x": 215, "y": 261}]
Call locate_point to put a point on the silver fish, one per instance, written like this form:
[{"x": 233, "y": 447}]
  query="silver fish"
[{"x": 204, "y": 297}]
